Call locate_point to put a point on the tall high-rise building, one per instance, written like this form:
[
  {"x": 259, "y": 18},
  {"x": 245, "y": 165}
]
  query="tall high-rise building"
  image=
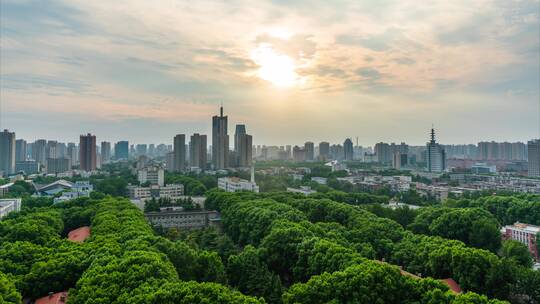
[
  {"x": 299, "y": 154},
  {"x": 58, "y": 165},
  {"x": 348, "y": 149},
  {"x": 141, "y": 149},
  {"x": 180, "y": 152},
  {"x": 7, "y": 152},
  {"x": 50, "y": 150},
  {"x": 309, "y": 148},
  {"x": 20, "y": 150},
  {"x": 220, "y": 141},
  {"x": 121, "y": 150},
  {"x": 245, "y": 151},
  {"x": 239, "y": 131},
  {"x": 105, "y": 152},
  {"x": 324, "y": 150},
  {"x": 87, "y": 152},
  {"x": 436, "y": 157},
  {"x": 73, "y": 153},
  {"x": 383, "y": 152},
  {"x": 533, "y": 147},
  {"x": 39, "y": 151},
  {"x": 197, "y": 151}
]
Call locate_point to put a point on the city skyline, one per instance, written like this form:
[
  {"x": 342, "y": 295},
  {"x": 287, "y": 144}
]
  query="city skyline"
[{"x": 377, "y": 71}]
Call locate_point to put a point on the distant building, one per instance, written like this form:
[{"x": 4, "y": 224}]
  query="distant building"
[
  {"x": 220, "y": 141},
  {"x": 39, "y": 153},
  {"x": 20, "y": 150},
  {"x": 58, "y": 165},
  {"x": 180, "y": 152},
  {"x": 399, "y": 160},
  {"x": 78, "y": 189},
  {"x": 121, "y": 150},
  {"x": 305, "y": 190},
  {"x": 483, "y": 168},
  {"x": 324, "y": 150},
  {"x": 525, "y": 234},
  {"x": 172, "y": 191},
  {"x": 534, "y": 157},
  {"x": 235, "y": 184},
  {"x": 299, "y": 154},
  {"x": 105, "y": 152},
  {"x": 197, "y": 151},
  {"x": 169, "y": 161},
  {"x": 9, "y": 205},
  {"x": 28, "y": 167},
  {"x": 54, "y": 187},
  {"x": 436, "y": 157},
  {"x": 348, "y": 150},
  {"x": 309, "y": 149},
  {"x": 73, "y": 153},
  {"x": 141, "y": 149},
  {"x": 244, "y": 152},
  {"x": 153, "y": 175},
  {"x": 7, "y": 152},
  {"x": 4, "y": 189},
  {"x": 87, "y": 152},
  {"x": 183, "y": 219},
  {"x": 319, "y": 180}
]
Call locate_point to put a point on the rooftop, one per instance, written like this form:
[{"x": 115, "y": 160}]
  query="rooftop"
[
  {"x": 55, "y": 298},
  {"x": 79, "y": 235}
]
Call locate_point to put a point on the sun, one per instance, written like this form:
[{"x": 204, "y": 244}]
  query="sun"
[{"x": 278, "y": 69}]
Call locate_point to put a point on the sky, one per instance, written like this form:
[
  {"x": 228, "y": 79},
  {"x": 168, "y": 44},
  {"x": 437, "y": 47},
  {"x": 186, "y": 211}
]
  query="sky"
[{"x": 291, "y": 70}]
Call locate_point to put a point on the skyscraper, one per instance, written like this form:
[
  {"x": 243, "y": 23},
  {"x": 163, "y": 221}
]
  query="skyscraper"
[
  {"x": 533, "y": 147},
  {"x": 39, "y": 151},
  {"x": 180, "y": 152},
  {"x": 348, "y": 149},
  {"x": 73, "y": 153},
  {"x": 121, "y": 150},
  {"x": 245, "y": 151},
  {"x": 7, "y": 152},
  {"x": 20, "y": 150},
  {"x": 105, "y": 152},
  {"x": 309, "y": 148},
  {"x": 324, "y": 150},
  {"x": 50, "y": 150},
  {"x": 87, "y": 152},
  {"x": 239, "y": 131},
  {"x": 220, "y": 141},
  {"x": 436, "y": 157},
  {"x": 197, "y": 151}
]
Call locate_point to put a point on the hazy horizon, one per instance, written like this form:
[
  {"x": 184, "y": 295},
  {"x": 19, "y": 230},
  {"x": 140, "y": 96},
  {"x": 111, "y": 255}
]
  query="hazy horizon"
[{"x": 292, "y": 71}]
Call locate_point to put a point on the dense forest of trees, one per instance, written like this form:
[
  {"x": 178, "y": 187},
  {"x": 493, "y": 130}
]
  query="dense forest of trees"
[{"x": 275, "y": 248}]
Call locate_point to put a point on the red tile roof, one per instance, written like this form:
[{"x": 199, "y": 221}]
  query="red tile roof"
[
  {"x": 452, "y": 285},
  {"x": 79, "y": 234},
  {"x": 56, "y": 298}
]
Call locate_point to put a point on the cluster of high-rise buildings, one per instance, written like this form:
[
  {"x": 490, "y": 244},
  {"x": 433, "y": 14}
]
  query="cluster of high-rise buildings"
[{"x": 194, "y": 156}]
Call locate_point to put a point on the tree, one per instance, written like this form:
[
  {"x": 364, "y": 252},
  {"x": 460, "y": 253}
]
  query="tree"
[
  {"x": 518, "y": 252},
  {"x": 8, "y": 292},
  {"x": 248, "y": 272}
]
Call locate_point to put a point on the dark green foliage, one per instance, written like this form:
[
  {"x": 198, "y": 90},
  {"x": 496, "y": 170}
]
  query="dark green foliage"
[
  {"x": 249, "y": 273},
  {"x": 8, "y": 292},
  {"x": 192, "y": 186},
  {"x": 212, "y": 240},
  {"x": 518, "y": 252},
  {"x": 473, "y": 226}
]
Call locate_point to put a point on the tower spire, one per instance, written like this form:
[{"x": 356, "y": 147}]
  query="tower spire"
[
  {"x": 432, "y": 133},
  {"x": 221, "y": 109}
]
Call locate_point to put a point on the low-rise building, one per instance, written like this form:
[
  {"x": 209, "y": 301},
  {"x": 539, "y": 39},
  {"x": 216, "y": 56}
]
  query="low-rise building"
[
  {"x": 234, "y": 184},
  {"x": 305, "y": 190},
  {"x": 9, "y": 205},
  {"x": 526, "y": 234},
  {"x": 28, "y": 167},
  {"x": 4, "y": 189},
  {"x": 174, "y": 218},
  {"x": 319, "y": 180},
  {"x": 172, "y": 191}
]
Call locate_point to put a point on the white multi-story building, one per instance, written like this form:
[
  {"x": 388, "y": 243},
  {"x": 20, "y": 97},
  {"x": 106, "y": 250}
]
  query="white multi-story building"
[
  {"x": 234, "y": 184},
  {"x": 153, "y": 175},
  {"x": 305, "y": 190},
  {"x": 9, "y": 205},
  {"x": 172, "y": 191},
  {"x": 526, "y": 234}
]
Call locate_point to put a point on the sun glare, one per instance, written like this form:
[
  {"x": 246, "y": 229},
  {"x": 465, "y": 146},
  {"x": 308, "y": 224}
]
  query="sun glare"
[{"x": 273, "y": 67}]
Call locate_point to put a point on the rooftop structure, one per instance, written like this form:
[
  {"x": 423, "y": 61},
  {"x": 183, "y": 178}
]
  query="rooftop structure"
[{"x": 9, "y": 205}]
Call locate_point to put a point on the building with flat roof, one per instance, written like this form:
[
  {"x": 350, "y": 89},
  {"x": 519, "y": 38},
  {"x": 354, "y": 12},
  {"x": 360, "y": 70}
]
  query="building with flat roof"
[
  {"x": 9, "y": 205},
  {"x": 305, "y": 190},
  {"x": 533, "y": 147},
  {"x": 7, "y": 152},
  {"x": 525, "y": 234},
  {"x": 175, "y": 218},
  {"x": 152, "y": 174},
  {"x": 235, "y": 184},
  {"x": 171, "y": 191}
]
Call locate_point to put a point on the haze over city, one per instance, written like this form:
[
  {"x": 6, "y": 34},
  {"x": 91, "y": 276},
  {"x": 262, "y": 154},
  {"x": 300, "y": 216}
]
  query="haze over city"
[{"x": 290, "y": 70}]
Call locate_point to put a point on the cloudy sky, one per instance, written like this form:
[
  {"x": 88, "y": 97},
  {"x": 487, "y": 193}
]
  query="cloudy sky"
[{"x": 379, "y": 70}]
